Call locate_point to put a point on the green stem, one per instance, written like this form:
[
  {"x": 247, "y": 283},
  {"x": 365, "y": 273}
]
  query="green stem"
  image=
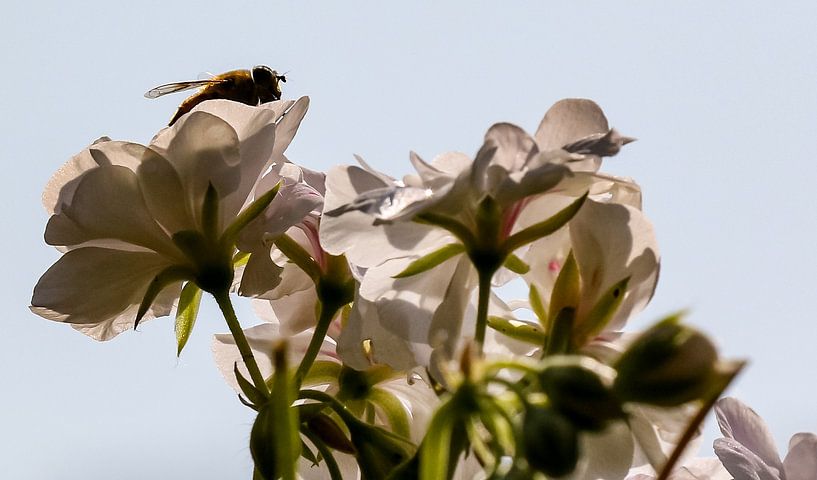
[
  {"x": 482, "y": 308},
  {"x": 692, "y": 428},
  {"x": 327, "y": 313},
  {"x": 326, "y": 453},
  {"x": 226, "y": 306}
]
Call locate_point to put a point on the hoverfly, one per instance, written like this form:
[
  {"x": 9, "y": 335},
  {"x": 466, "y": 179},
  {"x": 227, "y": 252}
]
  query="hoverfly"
[{"x": 259, "y": 85}]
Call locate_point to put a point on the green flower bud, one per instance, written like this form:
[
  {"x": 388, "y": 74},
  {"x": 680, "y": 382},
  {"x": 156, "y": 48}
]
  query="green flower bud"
[
  {"x": 330, "y": 433},
  {"x": 551, "y": 442},
  {"x": 379, "y": 451},
  {"x": 266, "y": 446},
  {"x": 579, "y": 394},
  {"x": 668, "y": 365}
]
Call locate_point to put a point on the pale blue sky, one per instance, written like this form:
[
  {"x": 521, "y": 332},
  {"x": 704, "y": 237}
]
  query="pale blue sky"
[{"x": 720, "y": 94}]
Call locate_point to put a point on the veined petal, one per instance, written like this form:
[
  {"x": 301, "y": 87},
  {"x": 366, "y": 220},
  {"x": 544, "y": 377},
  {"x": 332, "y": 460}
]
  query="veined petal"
[
  {"x": 514, "y": 147},
  {"x": 164, "y": 193},
  {"x": 801, "y": 461},
  {"x": 204, "y": 150},
  {"x": 569, "y": 120},
  {"x": 98, "y": 288},
  {"x": 742, "y": 463},
  {"x": 742, "y": 424},
  {"x": 61, "y": 185},
  {"x": 108, "y": 203},
  {"x": 354, "y": 234},
  {"x": 612, "y": 242},
  {"x": 364, "y": 327}
]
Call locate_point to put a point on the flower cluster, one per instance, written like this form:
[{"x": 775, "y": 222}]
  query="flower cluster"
[{"x": 385, "y": 349}]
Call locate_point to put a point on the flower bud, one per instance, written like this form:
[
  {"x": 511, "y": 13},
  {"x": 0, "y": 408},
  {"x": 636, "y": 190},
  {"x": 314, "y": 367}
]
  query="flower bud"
[
  {"x": 667, "y": 365},
  {"x": 379, "y": 451},
  {"x": 551, "y": 442},
  {"x": 579, "y": 394}
]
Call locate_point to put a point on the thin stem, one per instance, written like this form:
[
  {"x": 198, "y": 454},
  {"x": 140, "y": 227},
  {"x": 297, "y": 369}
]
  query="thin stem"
[
  {"x": 327, "y": 313},
  {"x": 226, "y": 306},
  {"x": 482, "y": 308},
  {"x": 326, "y": 453},
  {"x": 696, "y": 422}
]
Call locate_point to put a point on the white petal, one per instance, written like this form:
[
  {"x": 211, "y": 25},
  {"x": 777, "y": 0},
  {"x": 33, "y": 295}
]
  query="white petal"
[
  {"x": 612, "y": 242},
  {"x": 569, "y": 120},
  {"x": 108, "y": 203},
  {"x": 606, "y": 455},
  {"x": 742, "y": 424},
  {"x": 354, "y": 234},
  {"x": 742, "y": 463},
  {"x": 99, "y": 288},
  {"x": 204, "y": 150},
  {"x": 801, "y": 461}
]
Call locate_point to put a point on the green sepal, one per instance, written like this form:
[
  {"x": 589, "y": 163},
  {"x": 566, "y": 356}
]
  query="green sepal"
[
  {"x": 308, "y": 454},
  {"x": 275, "y": 443},
  {"x": 299, "y": 256},
  {"x": 253, "y": 210},
  {"x": 435, "y": 450},
  {"x": 186, "y": 314},
  {"x": 518, "y": 330},
  {"x": 498, "y": 423},
  {"x": 393, "y": 409},
  {"x": 327, "y": 431},
  {"x": 210, "y": 212},
  {"x": 560, "y": 335},
  {"x": 567, "y": 288},
  {"x": 431, "y": 260},
  {"x": 602, "y": 312},
  {"x": 545, "y": 228},
  {"x": 322, "y": 371},
  {"x": 160, "y": 281},
  {"x": 536, "y": 305},
  {"x": 325, "y": 452},
  {"x": 516, "y": 265},
  {"x": 250, "y": 392}
]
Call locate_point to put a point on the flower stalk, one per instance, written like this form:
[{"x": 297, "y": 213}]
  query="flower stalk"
[{"x": 226, "y": 306}]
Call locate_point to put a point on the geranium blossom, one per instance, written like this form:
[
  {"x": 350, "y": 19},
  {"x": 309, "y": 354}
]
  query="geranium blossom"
[
  {"x": 367, "y": 213},
  {"x": 400, "y": 402},
  {"x": 129, "y": 215},
  {"x": 748, "y": 450}
]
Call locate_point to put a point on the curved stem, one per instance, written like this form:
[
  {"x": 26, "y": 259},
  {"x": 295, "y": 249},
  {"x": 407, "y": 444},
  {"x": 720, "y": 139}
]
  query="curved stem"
[
  {"x": 324, "y": 320},
  {"x": 226, "y": 306},
  {"x": 482, "y": 308},
  {"x": 326, "y": 453}
]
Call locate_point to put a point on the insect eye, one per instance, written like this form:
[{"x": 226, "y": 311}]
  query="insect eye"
[
  {"x": 262, "y": 73},
  {"x": 282, "y": 78}
]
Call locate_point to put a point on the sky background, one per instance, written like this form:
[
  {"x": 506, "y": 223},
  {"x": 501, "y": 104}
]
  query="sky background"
[{"x": 721, "y": 95}]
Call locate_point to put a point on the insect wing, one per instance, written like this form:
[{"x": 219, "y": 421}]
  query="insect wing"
[{"x": 178, "y": 87}]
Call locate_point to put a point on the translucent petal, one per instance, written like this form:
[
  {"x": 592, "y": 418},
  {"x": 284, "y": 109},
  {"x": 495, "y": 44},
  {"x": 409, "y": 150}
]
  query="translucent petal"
[
  {"x": 99, "y": 288},
  {"x": 569, "y": 120},
  {"x": 742, "y": 424},
  {"x": 108, "y": 203},
  {"x": 801, "y": 461}
]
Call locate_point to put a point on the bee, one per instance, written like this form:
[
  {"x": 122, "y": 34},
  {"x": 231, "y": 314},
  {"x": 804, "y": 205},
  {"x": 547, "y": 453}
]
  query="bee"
[{"x": 259, "y": 85}]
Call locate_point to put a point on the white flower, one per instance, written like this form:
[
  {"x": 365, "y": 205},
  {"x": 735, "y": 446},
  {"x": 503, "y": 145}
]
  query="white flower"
[
  {"x": 129, "y": 217},
  {"x": 748, "y": 450},
  {"x": 366, "y": 217},
  {"x": 399, "y": 402}
]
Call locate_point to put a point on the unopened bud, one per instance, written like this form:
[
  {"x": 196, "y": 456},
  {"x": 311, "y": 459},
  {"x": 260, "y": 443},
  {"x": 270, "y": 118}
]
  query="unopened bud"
[
  {"x": 579, "y": 394},
  {"x": 667, "y": 365},
  {"x": 551, "y": 441}
]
